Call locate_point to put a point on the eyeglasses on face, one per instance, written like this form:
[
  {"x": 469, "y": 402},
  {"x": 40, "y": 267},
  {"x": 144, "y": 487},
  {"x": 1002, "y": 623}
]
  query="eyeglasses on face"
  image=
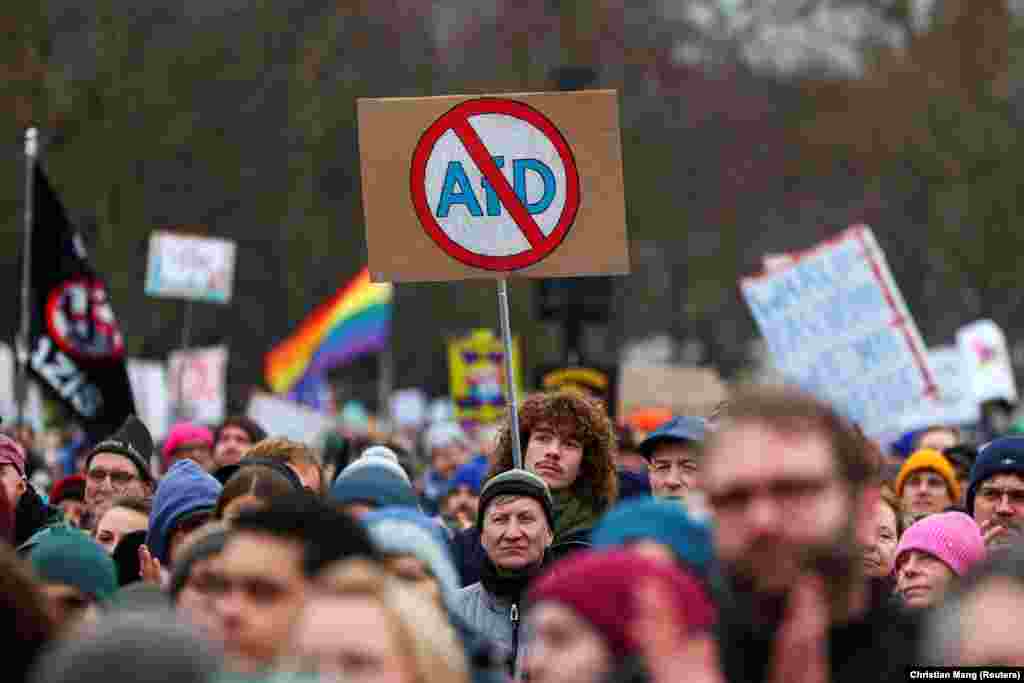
[
  {"x": 992, "y": 494},
  {"x": 117, "y": 477}
]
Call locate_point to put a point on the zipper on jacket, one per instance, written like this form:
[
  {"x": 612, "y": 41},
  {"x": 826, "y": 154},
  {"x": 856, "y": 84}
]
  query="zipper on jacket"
[{"x": 513, "y": 616}]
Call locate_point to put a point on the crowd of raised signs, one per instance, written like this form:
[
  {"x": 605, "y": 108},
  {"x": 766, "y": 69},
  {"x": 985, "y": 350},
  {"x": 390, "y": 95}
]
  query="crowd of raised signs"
[{"x": 770, "y": 541}]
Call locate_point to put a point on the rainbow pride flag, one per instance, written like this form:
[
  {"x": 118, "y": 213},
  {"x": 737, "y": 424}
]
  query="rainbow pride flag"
[{"x": 354, "y": 321}]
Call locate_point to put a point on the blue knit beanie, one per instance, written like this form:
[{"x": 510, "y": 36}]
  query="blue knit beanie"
[
  {"x": 67, "y": 556},
  {"x": 1002, "y": 456},
  {"x": 471, "y": 474},
  {"x": 375, "y": 484},
  {"x": 664, "y": 522}
]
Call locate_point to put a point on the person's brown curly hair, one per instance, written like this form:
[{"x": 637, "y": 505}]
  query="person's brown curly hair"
[{"x": 589, "y": 419}]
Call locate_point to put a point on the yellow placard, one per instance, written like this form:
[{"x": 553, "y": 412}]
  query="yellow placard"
[{"x": 476, "y": 366}]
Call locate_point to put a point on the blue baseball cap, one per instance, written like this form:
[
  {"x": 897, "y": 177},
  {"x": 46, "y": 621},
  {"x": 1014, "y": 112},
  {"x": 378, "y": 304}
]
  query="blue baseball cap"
[{"x": 682, "y": 429}]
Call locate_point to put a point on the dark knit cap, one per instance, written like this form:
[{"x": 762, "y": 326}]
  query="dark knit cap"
[
  {"x": 1002, "y": 456},
  {"x": 517, "y": 483},
  {"x": 133, "y": 441},
  {"x": 225, "y": 473}
]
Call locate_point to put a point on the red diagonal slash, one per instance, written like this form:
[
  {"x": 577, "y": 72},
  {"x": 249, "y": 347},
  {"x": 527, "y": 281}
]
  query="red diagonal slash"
[{"x": 480, "y": 156}]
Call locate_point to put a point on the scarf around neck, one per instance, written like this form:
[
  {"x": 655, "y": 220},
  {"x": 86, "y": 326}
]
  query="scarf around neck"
[
  {"x": 507, "y": 585},
  {"x": 573, "y": 513}
]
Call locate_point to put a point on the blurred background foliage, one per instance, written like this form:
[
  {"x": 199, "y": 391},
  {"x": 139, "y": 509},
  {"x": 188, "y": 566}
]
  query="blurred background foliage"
[{"x": 749, "y": 127}]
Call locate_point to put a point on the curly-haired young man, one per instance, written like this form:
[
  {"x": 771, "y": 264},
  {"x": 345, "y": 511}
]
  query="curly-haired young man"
[{"x": 569, "y": 442}]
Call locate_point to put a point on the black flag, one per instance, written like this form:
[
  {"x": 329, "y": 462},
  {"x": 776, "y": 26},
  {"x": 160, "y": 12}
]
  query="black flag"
[{"x": 75, "y": 344}]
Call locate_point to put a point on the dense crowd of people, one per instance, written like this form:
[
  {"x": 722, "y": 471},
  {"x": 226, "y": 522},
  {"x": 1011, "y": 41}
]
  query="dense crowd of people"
[{"x": 772, "y": 541}]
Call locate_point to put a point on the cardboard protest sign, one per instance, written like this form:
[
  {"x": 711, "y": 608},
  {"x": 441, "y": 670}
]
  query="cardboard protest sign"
[
  {"x": 487, "y": 187},
  {"x": 477, "y": 377},
  {"x": 837, "y": 326},
  {"x": 683, "y": 390},
  {"x": 956, "y": 404},
  {"x": 984, "y": 345},
  {"x": 600, "y": 382},
  {"x": 188, "y": 267}
]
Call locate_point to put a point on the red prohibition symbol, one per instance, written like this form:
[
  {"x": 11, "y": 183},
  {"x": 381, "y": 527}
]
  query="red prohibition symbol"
[{"x": 457, "y": 120}]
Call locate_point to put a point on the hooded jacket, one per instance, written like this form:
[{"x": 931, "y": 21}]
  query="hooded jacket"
[{"x": 186, "y": 488}]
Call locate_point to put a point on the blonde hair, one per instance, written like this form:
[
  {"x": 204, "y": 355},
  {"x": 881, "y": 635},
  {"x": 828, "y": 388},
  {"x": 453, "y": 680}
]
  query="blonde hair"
[
  {"x": 421, "y": 629},
  {"x": 285, "y": 451},
  {"x": 295, "y": 454}
]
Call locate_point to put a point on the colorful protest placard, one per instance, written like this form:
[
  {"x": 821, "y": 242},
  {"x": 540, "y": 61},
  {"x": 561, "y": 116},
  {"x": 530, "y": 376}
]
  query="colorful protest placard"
[{"x": 477, "y": 377}]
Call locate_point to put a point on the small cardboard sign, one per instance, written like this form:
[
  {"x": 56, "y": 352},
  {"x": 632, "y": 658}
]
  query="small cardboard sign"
[
  {"x": 188, "y": 267},
  {"x": 526, "y": 185},
  {"x": 684, "y": 390}
]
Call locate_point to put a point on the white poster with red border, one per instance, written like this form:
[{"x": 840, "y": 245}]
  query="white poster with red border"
[{"x": 837, "y": 326}]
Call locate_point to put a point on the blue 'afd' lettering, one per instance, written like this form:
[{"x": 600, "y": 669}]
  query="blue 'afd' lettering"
[{"x": 457, "y": 188}]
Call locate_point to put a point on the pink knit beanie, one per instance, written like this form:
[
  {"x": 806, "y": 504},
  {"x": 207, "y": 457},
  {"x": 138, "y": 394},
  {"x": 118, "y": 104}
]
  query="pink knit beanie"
[
  {"x": 953, "y": 537},
  {"x": 183, "y": 433}
]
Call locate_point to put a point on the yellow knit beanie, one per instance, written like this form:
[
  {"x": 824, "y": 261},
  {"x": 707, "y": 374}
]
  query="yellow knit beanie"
[{"x": 929, "y": 459}]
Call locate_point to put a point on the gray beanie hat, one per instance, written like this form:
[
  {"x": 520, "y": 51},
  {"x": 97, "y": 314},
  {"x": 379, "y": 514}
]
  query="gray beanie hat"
[{"x": 517, "y": 483}]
